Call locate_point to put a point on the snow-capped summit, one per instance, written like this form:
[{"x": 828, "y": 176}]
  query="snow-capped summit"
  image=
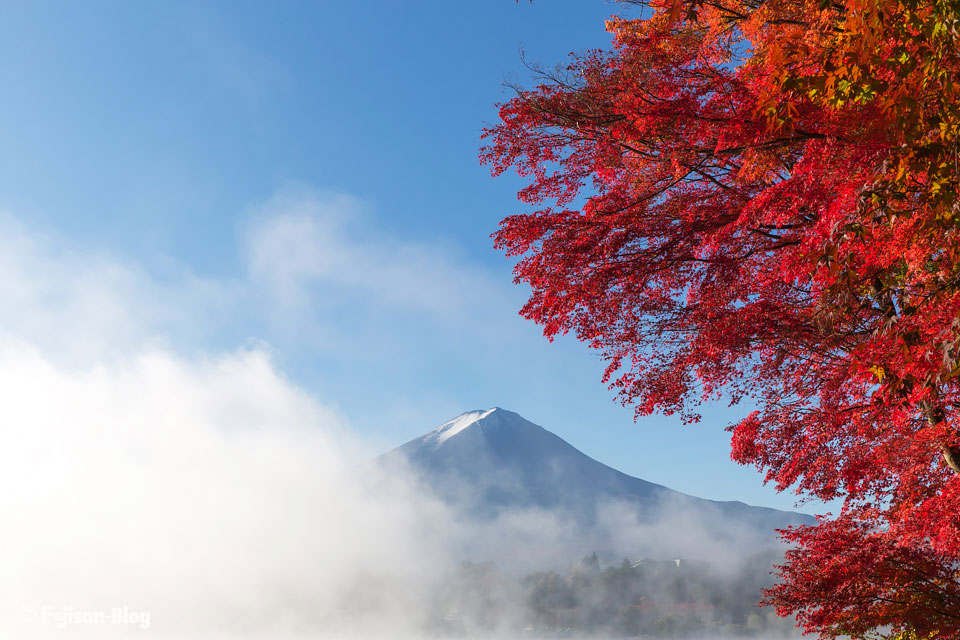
[
  {"x": 464, "y": 421},
  {"x": 484, "y": 462},
  {"x": 479, "y": 427}
]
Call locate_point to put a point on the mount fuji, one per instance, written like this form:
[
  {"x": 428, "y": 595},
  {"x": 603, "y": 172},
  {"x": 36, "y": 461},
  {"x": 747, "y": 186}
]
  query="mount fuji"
[{"x": 486, "y": 463}]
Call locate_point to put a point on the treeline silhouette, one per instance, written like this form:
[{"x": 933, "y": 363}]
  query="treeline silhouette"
[{"x": 646, "y": 598}]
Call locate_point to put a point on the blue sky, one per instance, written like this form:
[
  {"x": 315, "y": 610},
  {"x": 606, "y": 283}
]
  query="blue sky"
[{"x": 302, "y": 179}]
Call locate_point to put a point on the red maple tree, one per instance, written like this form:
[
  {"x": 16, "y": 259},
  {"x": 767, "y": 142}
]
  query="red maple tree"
[{"x": 750, "y": 200}]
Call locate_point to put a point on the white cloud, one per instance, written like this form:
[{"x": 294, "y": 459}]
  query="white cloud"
[
  {"x": 356, "y": 313},
  {"x": 307, "y": 249},
  {"x": 82, "y": 306},
  {"x": 200, "y": 484},
  {"x": 213, "y": 494},
  {"x": 316, "y": 273}
]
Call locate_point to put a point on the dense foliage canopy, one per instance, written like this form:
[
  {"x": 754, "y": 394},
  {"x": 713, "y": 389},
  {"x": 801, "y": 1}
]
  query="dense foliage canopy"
[{"x": 758, "y": 201}]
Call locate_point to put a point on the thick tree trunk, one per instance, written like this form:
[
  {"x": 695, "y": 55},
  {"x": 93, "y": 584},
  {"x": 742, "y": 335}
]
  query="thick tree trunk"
[
  {"x": 951, "y": 452},
  {"x": 952, "y": 456}
]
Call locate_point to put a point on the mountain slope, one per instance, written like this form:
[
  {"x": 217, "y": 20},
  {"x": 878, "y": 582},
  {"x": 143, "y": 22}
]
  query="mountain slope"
[{"x": 486, "y": 462}]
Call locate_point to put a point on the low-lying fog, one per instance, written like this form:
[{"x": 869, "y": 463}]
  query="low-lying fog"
[{"x": 215, "y": 499}]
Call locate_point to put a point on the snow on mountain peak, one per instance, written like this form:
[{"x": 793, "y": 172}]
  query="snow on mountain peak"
[
  {"x": 487, "y": 421},
  {"x": 452, "y": 427}
]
